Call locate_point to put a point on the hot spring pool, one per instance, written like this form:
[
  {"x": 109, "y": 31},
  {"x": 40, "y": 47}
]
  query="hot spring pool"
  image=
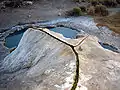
[
  {"x": 66, "y": 32},
  {"x": 13, "y": 39}
]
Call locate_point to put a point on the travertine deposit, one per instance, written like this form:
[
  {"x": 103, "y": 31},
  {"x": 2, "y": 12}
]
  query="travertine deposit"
[{"x": 45, "y": 60}]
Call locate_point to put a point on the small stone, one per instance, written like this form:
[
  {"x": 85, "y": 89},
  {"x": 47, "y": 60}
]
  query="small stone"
[
  {"x": 59, "y": 14},
  {"x": 29, "y": 16},
  {"x": 79, "y": 36},
  {"x": 80, "y": 48},
  {"x": 27, "y": 3}
]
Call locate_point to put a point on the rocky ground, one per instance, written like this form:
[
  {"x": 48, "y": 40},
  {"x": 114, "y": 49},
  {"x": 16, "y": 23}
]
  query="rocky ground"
[
  {"x": 45, "y": 66},
  {"x": 83, "y": 24},
  {"x": 40, "y": 10},
  {"x": 38, "y": 64},
  {"x": 59, "y": 66}
]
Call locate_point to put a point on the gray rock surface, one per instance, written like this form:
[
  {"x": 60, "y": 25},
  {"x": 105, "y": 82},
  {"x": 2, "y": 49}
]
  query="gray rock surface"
[
  {"x": 42, "y": 62},
  {"x": 100, "y": 68},
  {"x": 39, "y": 61}
]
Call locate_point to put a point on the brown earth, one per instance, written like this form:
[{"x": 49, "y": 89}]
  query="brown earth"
[{"x": 112, "y": 22}]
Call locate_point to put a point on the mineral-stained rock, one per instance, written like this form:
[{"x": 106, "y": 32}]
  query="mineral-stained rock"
[
  {"x": 100, "y": 68},
  {"x": 40, "y": 62},
  {"x": 44, "y": 60}
]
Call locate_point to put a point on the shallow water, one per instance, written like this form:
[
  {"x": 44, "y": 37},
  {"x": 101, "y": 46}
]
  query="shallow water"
[
  {"x": 13, "y": 39},
  {"x": 66, "y": 32},
  {"x": 109, "y": 47}
]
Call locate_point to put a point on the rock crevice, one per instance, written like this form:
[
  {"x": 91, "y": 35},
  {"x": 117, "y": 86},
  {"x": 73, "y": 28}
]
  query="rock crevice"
[
  {"x": 76, "y": 78},
  {"x": 42, "y": 54}
]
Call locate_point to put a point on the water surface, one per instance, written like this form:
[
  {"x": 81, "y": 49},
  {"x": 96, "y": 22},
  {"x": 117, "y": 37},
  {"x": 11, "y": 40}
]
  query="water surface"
[
  {"x": 109, "y": 47},
  {"x": 13, "y": 39},
  {"x": 66, "y": 32}
]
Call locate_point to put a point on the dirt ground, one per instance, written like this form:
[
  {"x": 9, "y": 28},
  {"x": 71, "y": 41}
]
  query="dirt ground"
[
  {"x": 40, "y": 10},
  {"x": 112, "y": 21}
]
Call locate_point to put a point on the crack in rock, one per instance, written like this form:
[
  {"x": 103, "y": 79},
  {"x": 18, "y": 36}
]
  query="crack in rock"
[{"x": 76, "y": 78}]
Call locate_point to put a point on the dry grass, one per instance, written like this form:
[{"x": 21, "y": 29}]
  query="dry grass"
[
  {"x": 113, "y": 22},
  {"x": 98, "y": 10}
]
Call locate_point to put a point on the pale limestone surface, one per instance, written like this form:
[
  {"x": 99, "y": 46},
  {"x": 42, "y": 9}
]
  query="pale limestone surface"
[
  {"x": 100, "y": 68},
  {"x": 41, "y": 62}
]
